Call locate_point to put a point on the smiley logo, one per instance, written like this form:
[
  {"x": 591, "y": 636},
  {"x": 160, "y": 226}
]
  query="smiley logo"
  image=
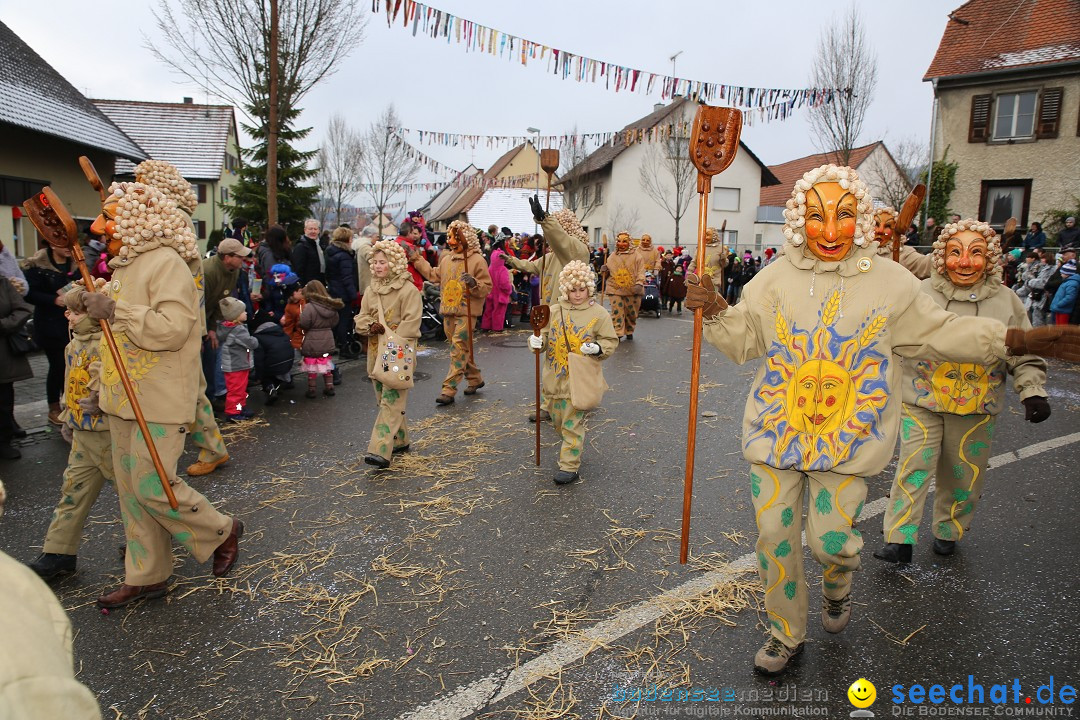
[{"x": 862, "y": 693}]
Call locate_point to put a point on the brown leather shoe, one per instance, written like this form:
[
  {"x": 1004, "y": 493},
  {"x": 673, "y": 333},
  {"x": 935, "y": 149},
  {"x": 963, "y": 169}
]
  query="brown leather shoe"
[
  {"x": 126, "y": 594},
  {"x": 227, "y": 552},
  {"x": 205, "y": 468}
]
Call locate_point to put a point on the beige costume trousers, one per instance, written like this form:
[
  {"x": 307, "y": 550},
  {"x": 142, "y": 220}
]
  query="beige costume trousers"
[
  {"x": 90, "y": 465},
  {"x": 624, "y": 313},
  {"x": 461, "y": 365},
  {"x": 952, "y": 449},
  {"x": 835, "y": 502},
  {"x": 570, "y": 422},
  {"x": 149, "y": 523},
  {"x": 391, "y": 429}
]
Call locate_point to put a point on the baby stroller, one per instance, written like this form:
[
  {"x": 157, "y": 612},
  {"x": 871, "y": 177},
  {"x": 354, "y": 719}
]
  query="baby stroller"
[
  {"x": 431, "y": 322},
  {"x": 650, "y": 302}
]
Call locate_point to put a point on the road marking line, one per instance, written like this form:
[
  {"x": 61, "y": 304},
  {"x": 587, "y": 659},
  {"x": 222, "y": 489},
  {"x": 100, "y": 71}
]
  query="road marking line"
[{"x": 501, "y": 684}]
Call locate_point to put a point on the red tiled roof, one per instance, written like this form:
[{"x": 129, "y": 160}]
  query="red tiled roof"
[
  {"x": 787, "y": 173},
  {"x": 988, "y": 35}
]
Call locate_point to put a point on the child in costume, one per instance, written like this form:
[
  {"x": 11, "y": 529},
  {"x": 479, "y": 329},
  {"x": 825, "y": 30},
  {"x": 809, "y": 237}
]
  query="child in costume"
[
  {"x": 579, "y": 325},
  {"x": 318, "y": 319},
  {"x": 391, "y": 289},
  {"x": 949, "y": 408},
  {"x": 236, "y": 360},
  {"x": 461, "y": 281},
  {"x": 823, "y": 410},
  {"x": 625, "y": 272},
  {"x": 920, "y": 265},
  {"x": 90, "y": 461}
]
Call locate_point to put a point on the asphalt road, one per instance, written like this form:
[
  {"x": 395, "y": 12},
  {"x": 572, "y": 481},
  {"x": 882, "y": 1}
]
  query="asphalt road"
[{"x": 464, "y": 583}]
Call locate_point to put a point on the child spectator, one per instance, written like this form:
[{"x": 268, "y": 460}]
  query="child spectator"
[
  {"x": 273, "y": 356},
  {"x": 317, "y": 320},
  {"x": 236, "y": 361},
  {"x": 1064, "y": 302},
  {"x": 290, "y": 322},
  {"x": 90, "y": 461}
]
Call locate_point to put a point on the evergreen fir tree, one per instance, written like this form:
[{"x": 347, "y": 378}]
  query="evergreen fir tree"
[{"x": 295, "y": 196}]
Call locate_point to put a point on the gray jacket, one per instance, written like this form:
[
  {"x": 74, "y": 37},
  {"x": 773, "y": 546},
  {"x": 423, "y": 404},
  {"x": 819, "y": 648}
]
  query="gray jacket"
[{"x": 236, "y": 346}]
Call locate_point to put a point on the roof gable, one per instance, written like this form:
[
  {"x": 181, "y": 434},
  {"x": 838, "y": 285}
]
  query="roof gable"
[
  {"x": 998, "y": 35},
  {"x": 787, "y": 173},
  {"x": 191, "y": 137},
  {"x": 35, "y": 96}
]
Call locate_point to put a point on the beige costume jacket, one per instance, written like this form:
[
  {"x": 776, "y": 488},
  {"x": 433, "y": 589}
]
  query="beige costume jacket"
[
  {"x": 564, "y": 248},
  {"x": 583, "y": 323}
]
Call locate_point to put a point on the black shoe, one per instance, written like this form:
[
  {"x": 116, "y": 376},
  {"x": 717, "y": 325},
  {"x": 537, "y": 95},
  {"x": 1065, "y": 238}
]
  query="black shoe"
[
  {"x": 630, "y": 336},
  {"x": 329, "y": 391},
  {"x": 471, "y": 390},
  {"x": 402, "y": 449},
  {"x": 944, "y": 547},
  {"x": 310, "y": 393},
  {"x": 18, "y": 433},
  {"x": 51, "y": 565},
  {"x": 377, "y": 460},
  {"x": 8, "y": 452},
  {"x": 545, "y": 416},
  {"x": 894, "y": 553},
  {"x": 272, "y": 393},
  {"x": 565, "y": 478}
]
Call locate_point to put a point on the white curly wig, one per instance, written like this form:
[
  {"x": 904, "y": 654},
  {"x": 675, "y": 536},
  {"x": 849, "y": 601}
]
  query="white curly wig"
[
  {"x": 847, "y": 178},
  {"x": 395, "y": 256},
  {"x": 468, "y": 232},
  {"x": 146, "y": 219},
  {"x": 576, "y": 274},
  {"x": 993, "y": 245},
  {"x": 166, "y": 178},
  {"x": 570, "y": 223}
]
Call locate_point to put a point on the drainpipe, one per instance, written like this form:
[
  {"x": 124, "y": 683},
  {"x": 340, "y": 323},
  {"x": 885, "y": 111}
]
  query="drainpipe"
[{"x": 933, "y": 134}]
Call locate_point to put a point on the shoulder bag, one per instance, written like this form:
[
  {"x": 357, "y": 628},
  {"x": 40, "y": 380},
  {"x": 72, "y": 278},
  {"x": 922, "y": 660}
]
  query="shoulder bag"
[
  {"x": 395, "y": 361},
  {"x": 587, "y": 384}
]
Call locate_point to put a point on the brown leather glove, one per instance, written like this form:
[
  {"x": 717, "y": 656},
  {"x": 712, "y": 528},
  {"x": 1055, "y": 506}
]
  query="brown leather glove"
[
  {"x": 1055, "y": 341},
  {"x": 376, "y": 329},
  {"x": 700, "y": 293},
  {"x": 98, "y": 306},
  {"x": 1036, "y": 409},
  {"x": 469, "y": 280}
]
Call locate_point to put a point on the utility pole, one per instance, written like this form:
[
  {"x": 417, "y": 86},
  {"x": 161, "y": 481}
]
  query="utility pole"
[{"x": 272, "y": 121}]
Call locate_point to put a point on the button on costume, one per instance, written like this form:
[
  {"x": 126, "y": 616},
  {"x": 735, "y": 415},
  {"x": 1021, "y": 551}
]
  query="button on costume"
[
  {"x": 947, "y": 422},
  {"x": 823, "y": 410},
  {"x": 154, "y": 317}
]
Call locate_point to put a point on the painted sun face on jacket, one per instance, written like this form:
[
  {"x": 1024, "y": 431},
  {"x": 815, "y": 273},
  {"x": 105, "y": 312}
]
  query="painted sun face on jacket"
[
  {"x": 884, "y": 226},
  {"x": 965, "y": 258},
  {"x": 960, "y": 387},
  {"x": 820, "y": 397},
  {"x": 830, "y": 221}
]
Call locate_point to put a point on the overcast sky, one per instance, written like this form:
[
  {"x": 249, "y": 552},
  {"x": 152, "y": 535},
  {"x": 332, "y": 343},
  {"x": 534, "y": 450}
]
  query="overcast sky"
[{"x": 438, "y": 86}]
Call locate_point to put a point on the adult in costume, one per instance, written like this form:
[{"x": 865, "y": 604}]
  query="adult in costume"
[
  {"x": 152, "y": 304},
  {"x": 650, "y": 256},
  {"x": 885, "y": 230},
  {"x": 578, "y": 325},
  {"x": 949, "y": 409},
  {"x": 464, "y": 283},
  {"x": 204, "y": 432},
  {"x": 625, "y": 284},
  {"x": 392, "y": 293},
  {"x": 566, "y": 240},
  {"x": 823, "y": 410},
  {"x": 716, "y": 256}
]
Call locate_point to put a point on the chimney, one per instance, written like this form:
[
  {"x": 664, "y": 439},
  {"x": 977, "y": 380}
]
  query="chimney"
[{"x": 188, "y": 101}]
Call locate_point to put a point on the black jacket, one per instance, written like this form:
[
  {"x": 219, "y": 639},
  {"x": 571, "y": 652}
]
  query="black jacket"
[
  {"x": 274, "y": 355},
  {"x": 44, "y": 278},
  {"x": 305, "y": 261},
  {"x": 341, "y": 272}
]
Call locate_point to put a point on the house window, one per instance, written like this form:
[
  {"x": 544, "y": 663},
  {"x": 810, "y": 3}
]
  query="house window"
[
  {"x": 757, "y": 242},
  {"x": 1003, "y": 199},
  {"x": 731, "y": 239},
  {"x": 200, "y": 229},
  {"x": 13, "y": 191},
  {"x": 224, "y": 195},
  {"x": 201, "y": 190},
  {"x": 599, "y": 194},
  {"x": 585, "y": 195},
  {"x": 725, "y": 199},
  {"x": 1014, "y": 115},
  {"x": 596, "y": 237},
  {"x": 573, "y": 199}
]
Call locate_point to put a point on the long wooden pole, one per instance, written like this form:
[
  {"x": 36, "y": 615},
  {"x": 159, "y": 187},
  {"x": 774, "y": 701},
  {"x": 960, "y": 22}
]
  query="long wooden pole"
[
  {"x": 695, "y": 375},
  {"x": 536, "y": 417},
  {"x": 468, "y": 298}
]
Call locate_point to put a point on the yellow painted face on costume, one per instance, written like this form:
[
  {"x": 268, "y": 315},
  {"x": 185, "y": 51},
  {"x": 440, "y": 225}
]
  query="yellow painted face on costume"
[
  {"x": 862, "y": 693},
  {"x": 820, "y": 397},
  {"x": 960, "y": 387},
  {"x": 830, "y": 221},
  {"x": 965, "y": 258},
  {"x": 884, "y": 226}
]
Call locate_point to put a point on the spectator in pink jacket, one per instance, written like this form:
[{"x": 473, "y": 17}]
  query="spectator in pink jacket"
[{"x": 499, "y": 300}]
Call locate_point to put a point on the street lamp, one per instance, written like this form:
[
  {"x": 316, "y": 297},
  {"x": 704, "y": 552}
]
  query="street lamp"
[{"x": 536, "y": 147}]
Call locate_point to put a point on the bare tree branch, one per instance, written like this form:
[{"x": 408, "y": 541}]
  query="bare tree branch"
[
  {"x": 892, "y": 188},
  {"x": 625, "y": 218},
  {"x": 223, "y": 46},
  {"x": 844, "y": 59},
  {"x": 668, "y": 176},
  {"x": 341, "y": 162},
  {"x": 387, "y": 166}
]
